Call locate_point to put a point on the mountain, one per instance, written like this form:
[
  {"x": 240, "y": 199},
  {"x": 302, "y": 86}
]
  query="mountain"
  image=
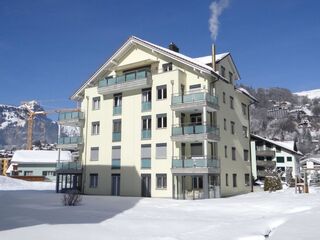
[
  {"x": 311, "y": 94},
  {"x": 13, "y": 126}
]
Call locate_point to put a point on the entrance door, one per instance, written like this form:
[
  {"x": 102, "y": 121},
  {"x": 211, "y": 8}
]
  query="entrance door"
[
  {"x": 115, "y": 191},
  {"x": 146, "y": 185}
]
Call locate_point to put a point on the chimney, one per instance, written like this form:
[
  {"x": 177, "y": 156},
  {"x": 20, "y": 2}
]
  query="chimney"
[
  {"x": 173, "y": 47},
  {"x": 213, "y": 55}
]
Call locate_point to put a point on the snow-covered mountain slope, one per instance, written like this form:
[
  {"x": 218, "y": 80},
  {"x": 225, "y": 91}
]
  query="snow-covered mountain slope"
[
  {"x": 13, "y": 125},
  {"x": 310, "y": 94}
]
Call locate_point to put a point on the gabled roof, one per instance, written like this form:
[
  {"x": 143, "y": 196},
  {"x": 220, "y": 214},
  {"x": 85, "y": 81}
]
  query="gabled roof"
[
  {"x": 208, "y": 59},
  {"x": 245, "y": 92},
  {"x": 287, "y": 145},
  {"x": 40, "y": 156},
  {"x": 132, "y": 41}
]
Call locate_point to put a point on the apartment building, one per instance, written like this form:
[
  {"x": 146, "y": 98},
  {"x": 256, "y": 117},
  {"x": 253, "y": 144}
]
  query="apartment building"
[
  {"x": 270, "y": 154},
  {"x": 158, "y": 123}
]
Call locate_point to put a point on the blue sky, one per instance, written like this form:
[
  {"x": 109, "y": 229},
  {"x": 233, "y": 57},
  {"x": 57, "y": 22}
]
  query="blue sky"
[{"x": 48, "y": 48}]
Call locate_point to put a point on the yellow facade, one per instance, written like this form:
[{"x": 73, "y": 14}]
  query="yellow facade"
[{"x": 131, "y": 172}]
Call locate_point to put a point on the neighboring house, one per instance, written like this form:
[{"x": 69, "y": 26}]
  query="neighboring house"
[
  {"x": 158, "y": 123},
  {"x": 268, "y": 154},
  {"x": 37, "y": 163},
  {"x": 310, "y": 164}
]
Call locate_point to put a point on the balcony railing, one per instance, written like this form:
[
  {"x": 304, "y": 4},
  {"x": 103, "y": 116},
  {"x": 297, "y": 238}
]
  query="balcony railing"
[
  {"x": 70, "y": 140},
  {"x": 117, "y": 110},
  {"x": 195, "y": 162},
  {"x": 188, "y": 129},
  {"x": 145, "y": 163},
  {"x": 69, "y": 166},
  {"x": 145, "y": 134},
  {"x": 194, "y": 98},
  {"x": 115, "y": 164},
  {"x": 140, "y": 74},
  {"x": 145, "y": 106},
  {"x": 116, "y": 136},
  {"x": 69, "y": 116}
]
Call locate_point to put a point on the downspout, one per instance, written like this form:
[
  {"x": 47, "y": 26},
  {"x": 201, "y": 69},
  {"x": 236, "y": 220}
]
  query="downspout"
[
  {"x": 172, "y": 142},
  {"x": 250, "y": 155},
  {"x": 84, "y": 175}
]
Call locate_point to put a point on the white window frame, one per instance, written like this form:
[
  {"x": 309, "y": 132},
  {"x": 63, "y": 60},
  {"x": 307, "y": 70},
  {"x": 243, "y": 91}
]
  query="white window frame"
[
  {"x": 96, "y": 103},
  {"x": 95, "y": 128}
]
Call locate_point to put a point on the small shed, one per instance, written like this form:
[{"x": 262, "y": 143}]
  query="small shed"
[{"x": 39, "y": 163}]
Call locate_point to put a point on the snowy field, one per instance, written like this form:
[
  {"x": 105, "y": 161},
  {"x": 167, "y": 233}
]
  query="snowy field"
[{"x": 27, "y": 213}]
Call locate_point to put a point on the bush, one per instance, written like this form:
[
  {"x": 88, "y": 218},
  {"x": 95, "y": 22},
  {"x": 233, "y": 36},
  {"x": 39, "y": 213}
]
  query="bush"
[
  {"x": 71, "y": 198},
  {"x": 272, "y": 183}
]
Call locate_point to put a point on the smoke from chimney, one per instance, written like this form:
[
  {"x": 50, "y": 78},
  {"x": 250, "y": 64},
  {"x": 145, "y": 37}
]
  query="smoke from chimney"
[{"x": 216, "y": 8}]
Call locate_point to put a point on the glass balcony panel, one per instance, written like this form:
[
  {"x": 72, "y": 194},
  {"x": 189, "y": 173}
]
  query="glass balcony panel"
[
  {"x": 146, "y": 106},
  {"x": 146, "y": 134},
  {"x": 145, "y": 163},
  {"x": 117, "y": 110},
  {"x": 130, "y": 76},
  {"x": 116, "y": 137},
  {"x": 68, "y": 166},
  {"x": 115, "y": 164},
  {"x": 176, "y": 131}
]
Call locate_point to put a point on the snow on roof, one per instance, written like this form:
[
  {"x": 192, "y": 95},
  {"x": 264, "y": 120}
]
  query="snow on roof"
[
  {"x": 208, "y": 59},
  {"x": 244, "y": 91},
  {"x": 40, "y": 156},
  {"x": 288, "y": 145}
]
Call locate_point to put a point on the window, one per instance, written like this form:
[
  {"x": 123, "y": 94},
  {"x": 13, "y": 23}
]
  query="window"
[
  {"x": 161, "y": 150},
  {"x": 161, "y": 181},
  {"x": 245, "y": 155},
  {"x": 225, "y": 124},
  {"x": 96, "y": 103},
  {"x": 195, "y": 87},
  {"x": 116, "y": 134},
  {"x": 231, "y": 102},
  {"x": 167, "y": 67},
  {"x": 162, "y": 92},
  {"x": 146, "y": 95},
  {"x": 234, "y": 180},
  {"x": 231, "y": 77},
  {"x": 48, "y": 173},
  {"x": 225, "y": 151},
  {"x": 224, "y": 97},
  {"x": 116, "y": 157},
  {"x": 227, "y": 179},
  {"x": 28, "y": 173},
  {"x": 280, "y": 159},
  {"x": 197, "y": 182},
  {"x": 233, "y": 153},
  {"x": 223, "y": 71},
  {"x": 93, "y": 180},
  {"x": 289, "y": 159},
  {"x": 245, "y": 131},
  {"x": 146, "y": 123},
  {"x": 95, "y": 128},
  {"x": 94, "y": 154},
  {"x": 145, "y": 156},
  {"x": 232, "y": 127},
  {"x": 161, "y": 120},
  {"x": 244, "y": 109},
  {"x": 247, "y": 179},
  {"x": 117, "y": 100}
]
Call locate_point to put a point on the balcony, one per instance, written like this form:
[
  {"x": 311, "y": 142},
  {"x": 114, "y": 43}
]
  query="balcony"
[
  {"x": 116, "y": 136},
  {"x": 69, "y": 142},
  {"x": 117, "y": 110},
  {"x": 266, "y": 164},
  {"x": 145, "y": 163},
  {"x": 195, "y": 164},
  {"x": 69, "y": 167},
  {"x": 260, "y": 152},
  {"x": 145, "y": 134},
  {"x": 194, "y": 100},
  {"x": 145, "y": 106},
  {"x": 194, "y": 132},
  {"x": 129, "y": 81},
  {"x": 72, "y": 118}
]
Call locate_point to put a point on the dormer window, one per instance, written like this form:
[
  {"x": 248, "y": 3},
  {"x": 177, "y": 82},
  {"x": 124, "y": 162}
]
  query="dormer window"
[
  {"x": 223, "y": 71},
  {"x": 167, "y": 67},
  {"x": 231, "y": 77}
]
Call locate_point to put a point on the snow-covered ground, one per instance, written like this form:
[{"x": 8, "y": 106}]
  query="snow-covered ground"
[{"x": 28, "y": 214}]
